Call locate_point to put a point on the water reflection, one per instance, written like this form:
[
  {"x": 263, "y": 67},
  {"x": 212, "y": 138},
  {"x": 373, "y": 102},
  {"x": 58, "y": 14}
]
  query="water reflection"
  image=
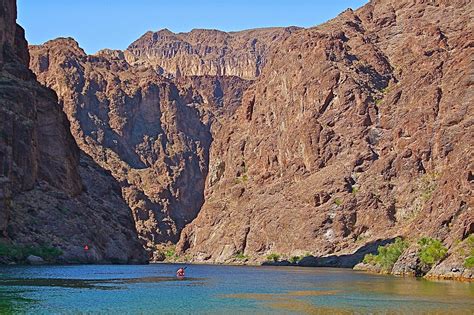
[{"x": 12, "y": 300}]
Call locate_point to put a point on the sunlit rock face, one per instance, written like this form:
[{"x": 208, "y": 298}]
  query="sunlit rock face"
[
  {"x": 206, "y": 52},
  {"x": 356, "y": 130}
]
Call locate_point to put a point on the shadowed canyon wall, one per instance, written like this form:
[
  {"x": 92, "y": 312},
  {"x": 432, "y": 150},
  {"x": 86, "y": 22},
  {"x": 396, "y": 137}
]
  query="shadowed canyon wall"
[
  {"x": 51, "y": 193},
  {"x": 151, "y": 133}
]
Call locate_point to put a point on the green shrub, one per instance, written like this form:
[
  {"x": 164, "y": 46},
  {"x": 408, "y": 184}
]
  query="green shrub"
[
  {"x": 338, "y": 201},
  {"x": 20, "y": 253},
  {"x": 295, "y": 259},
  {"x": 469, "y": 261},
  {"x": 370, "y": 259},
  {"x": 241, "y": 179},
  {"x": 45, "y": 252},
  {"x": 355, "y": 189},
  {"x": 385, "y": 90},
  {"x": 170, "y": 254},
  {"x": 431, "y": 251},
  {"x": 11, "y": 251},
  {"x": 241, "y": 256},
  {"x": 273, "y": 257},
  {"x": 387, "y": 255}
]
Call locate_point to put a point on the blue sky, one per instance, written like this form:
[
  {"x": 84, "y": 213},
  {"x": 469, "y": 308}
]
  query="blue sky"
[{"x": 98, "y": 24}]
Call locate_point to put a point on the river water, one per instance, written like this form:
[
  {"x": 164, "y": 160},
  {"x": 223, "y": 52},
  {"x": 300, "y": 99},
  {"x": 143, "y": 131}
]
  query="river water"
[{"x": 211, "y": 289}]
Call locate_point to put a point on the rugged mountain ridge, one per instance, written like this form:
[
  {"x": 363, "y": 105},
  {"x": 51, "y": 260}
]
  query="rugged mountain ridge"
[
  {"x": 51, "y": 194},
  {"x": 348, "y": 135},
  {"x": 206, "y": 52}
]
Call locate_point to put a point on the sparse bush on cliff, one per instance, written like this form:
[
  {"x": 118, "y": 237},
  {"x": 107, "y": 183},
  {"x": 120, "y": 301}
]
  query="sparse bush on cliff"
[
  {"x": 469, "y": 261},
  {"x": 370, "y": 259},
  {"x": 170, "y": 254},
  {"x": 387, "y": 255},
  {"x": 355, "y": 189},
  {"x": 241, "y": 256},
  {"x": 428, "y": 185},
  {"x": 295, "y": 259},
  {"x": 273, "y": 257},
  {"x": 431, "y": 251}
]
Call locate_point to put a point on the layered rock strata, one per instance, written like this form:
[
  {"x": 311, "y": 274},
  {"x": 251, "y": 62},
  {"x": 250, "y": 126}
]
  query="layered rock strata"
[{"x": 206, "y": 52}]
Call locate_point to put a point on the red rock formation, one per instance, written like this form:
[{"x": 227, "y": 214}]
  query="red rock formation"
[
  {"x": 357, "y": 130},
  {"x": 153, "y": 135},
  {"x": 354, "y": 131},
  {"x": 45, "y": 196}
]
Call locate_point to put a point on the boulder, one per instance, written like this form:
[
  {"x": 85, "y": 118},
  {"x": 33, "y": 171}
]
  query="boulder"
[
  {"x": 368, "y": 267},
  {"x": 408, "y": 264},
  {"x": 35, "y": 260}
]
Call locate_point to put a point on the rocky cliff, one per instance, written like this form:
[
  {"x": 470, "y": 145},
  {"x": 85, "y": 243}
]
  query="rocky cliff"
[
  {"x": 357, "y": 130},
  {"x": 48, "y": 197},
  {"x": 206, "y": 52},
  {"x": 347, "y": 135},
  {"x": 151, "y": 133}
]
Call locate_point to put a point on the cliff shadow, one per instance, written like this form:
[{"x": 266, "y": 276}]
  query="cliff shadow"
[{"x": 345, "y": 260}]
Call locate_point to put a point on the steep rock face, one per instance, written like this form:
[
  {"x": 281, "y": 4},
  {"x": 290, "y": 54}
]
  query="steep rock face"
[
  {"x": 354, "y": 132},
  {"x": 357, "y": 130},
  {"x": 152, "y": 134},
  {"x": 39, "y": 167},
  {"x": 206, "y": 52}
]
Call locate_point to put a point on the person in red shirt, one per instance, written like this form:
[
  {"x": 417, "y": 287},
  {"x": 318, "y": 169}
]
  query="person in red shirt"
[{"x": 180, "y": 272}]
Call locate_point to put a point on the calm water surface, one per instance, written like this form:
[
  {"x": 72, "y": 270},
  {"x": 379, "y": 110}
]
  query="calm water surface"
[{"x": 152, "y": 289}]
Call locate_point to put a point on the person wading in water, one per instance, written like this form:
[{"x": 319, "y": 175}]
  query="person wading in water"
[{"x": 180, "y": 272}]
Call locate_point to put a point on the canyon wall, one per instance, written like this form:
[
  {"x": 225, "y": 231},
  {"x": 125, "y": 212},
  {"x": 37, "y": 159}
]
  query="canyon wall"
[
  {"x": 206, "y": 52},
  {"x": 51, "y": 194},
  {"x": 357, "y": 130},
  {"x": 151, "y": 133},
  {"x": 327, "y": 140}
]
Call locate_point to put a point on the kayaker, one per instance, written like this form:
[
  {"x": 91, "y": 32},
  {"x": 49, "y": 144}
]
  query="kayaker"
[{"x": 180, "y": 272}]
